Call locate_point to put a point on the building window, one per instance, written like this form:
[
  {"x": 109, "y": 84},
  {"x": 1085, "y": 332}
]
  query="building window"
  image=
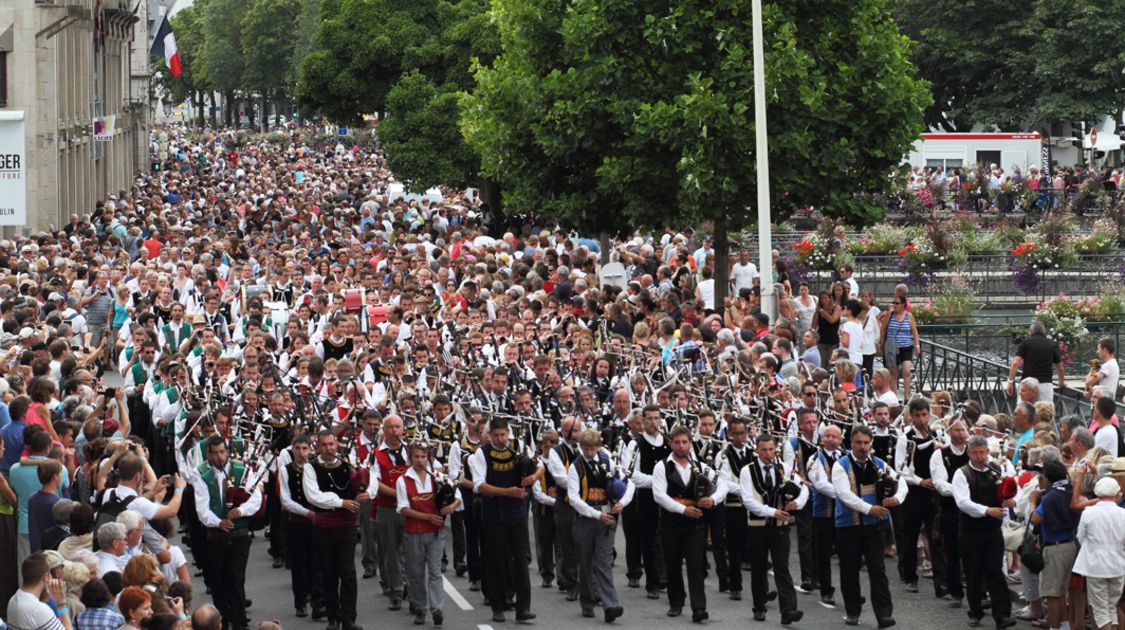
[{"x": 3, "y": 78}]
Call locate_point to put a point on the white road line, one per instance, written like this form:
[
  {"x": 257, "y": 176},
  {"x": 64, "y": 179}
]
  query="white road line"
[
  {"x": 450, "y": 590},
  {"x": 484, "y": 627}
]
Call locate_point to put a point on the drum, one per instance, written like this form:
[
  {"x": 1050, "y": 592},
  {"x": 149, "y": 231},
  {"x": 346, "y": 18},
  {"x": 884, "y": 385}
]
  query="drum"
[
  {"x": 253, "y": 291},
  {"x": 354, "y": 300},
  {"x": 377, "y": 314}
]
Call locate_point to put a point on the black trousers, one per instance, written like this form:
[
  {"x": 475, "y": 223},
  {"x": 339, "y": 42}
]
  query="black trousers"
[
  {"x": 824, "y": 537},
  {"x": 506, "y": 547},
  {"x": 647, "y": 524},
  {"x": 920, "y": 511},
  {"x": 457, "y": 533},
  {"x": 545, "y": 541},
  {"x": 472, "y": 535},
  {"x": 716, "y": 519},
  {"x": 226, "y": 573},
  {"x": 893, "y": 534},
  {"x": 984, "y": 568},
  {"x": 685, "y": 544},
  {"x": 276, "y": 519},
  {"x": 951, "y": 542},
  {"x": 766, "y": 544},
  {"x": 630, "y": 524},
  {"x": 806, "y": 544},
  {"x": 568, "y": 558},
  {"x": 304, "y": 566},
  {"x": 140, "y": 417},
  {"x": 336, "y": 548},
  {"x": 735, "y": 516},
  {"x": 864, "y": 543}
]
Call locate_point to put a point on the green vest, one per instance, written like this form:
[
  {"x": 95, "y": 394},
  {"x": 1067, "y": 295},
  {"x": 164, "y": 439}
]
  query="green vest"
[
  {"x": 173, "y": 396},
  {"x": 185, "y": 332},
  {"x": 216, "y": 503},
  {"x": 129, "y": 353},
  {"x": 140, "y": 377}
]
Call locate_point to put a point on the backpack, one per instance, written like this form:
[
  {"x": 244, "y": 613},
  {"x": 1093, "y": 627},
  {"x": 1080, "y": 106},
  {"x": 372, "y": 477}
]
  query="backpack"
[{"x": 109, "y": 511}]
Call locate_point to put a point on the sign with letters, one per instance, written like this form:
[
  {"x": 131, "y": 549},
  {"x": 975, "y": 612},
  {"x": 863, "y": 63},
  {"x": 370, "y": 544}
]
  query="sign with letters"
[{"x": 13, "y": 169}]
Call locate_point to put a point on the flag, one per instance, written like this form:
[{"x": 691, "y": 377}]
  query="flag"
[{"x": 164, "y": 45}]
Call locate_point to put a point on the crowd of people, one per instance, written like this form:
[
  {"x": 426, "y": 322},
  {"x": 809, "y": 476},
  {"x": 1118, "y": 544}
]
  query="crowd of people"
[{"x": 374, "y": 379}]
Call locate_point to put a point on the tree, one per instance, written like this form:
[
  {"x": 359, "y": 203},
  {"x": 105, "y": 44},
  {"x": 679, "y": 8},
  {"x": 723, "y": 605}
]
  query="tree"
[
  {"x": 976, "y": 54},
  {"x": 640, "y": 113},
  {"x": 267, "y": 48},
  {"x": 221, "y": 53}
]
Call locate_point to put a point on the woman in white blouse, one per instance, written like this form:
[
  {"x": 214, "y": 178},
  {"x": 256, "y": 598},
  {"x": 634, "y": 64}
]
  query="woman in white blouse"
[{"x": 1101, "y": 555}]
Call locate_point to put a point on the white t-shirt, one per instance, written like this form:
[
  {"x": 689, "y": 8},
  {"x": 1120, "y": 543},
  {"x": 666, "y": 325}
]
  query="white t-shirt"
[
  {"x": 140, "y": 505},
  {"x": 26, "y": 612},
  {"x": 707, "y": 292},
  {"x": 171, "y": 567},
  {"x": 743, "y": 276},
  {"x": 1111, "y": 375},
  {"x": 1106, "y": 437},
  {"x": 107, "y": 563},
  {"x": 855, "y": 341}
]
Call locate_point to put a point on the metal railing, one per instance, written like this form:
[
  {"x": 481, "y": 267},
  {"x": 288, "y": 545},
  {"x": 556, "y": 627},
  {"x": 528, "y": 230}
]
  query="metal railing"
[{"x": 970, "y": 377}]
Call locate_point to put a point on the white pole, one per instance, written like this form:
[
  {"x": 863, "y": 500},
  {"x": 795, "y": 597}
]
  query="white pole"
[{"x": 761, "y": 155}]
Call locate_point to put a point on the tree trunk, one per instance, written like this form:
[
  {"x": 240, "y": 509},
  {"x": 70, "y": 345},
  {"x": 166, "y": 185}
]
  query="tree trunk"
[
  {"x": 198, "y": 99},
  {"x": 490, "y": 196},
  {"x": 265, "y": 114},
  {"x": 211, "y": 97},
  {"x": 722, "y": 268}
]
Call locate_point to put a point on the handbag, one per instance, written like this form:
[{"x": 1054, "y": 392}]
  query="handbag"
[
  {"x": 1030, "y": 554},
  {"x": 1013, "y": 533},
  {"x": 890, "y": 356}
]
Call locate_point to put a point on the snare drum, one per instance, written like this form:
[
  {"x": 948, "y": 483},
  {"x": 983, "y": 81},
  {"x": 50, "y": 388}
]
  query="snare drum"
[{"x": 354, "y": 300}]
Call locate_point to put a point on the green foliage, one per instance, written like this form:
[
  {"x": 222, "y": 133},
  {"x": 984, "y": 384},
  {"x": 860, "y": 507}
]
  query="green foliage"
[
  {"x": 268, "y": 44},
  {"x": 221, "y": 52},
  {"x": 423, "y": 144},
  {"x": 610, "y": 115}
]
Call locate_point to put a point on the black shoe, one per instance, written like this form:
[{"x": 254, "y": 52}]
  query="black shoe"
[
  {"x": 547, "y": 582},
  {"x": 974, "y": 622},
  {"x": 1006, "y": 622},
  {"x": 248, "y": 603},
  {"x": 986, "y": 603},
  {"x": 278, "y": 562},
  {"x": 675, "y": 611},
  {"x": 613, "y": 613},
  {"x": 699, "y": 616},
  {"x": 369, "y": 573},
  {"x": 351, "y": 625},
  {"x": 438, "y": 618},
  {"x": 460, "y": 570},
  {"x": 828, "y": 601},
  {"x": 588, "y": 612},
  {"x": 850, "y": 620},
  {"x": 419, "y": 617},
  {"x": 572, "y": 595},
  {"x": 396, "y": 604},
  {"x": 791, "y": 617},
  {"x": 652, "y": 594},
  {"x": 510, "y": 604},
  {"x": 634, "y": 583},
  {"x": 302, "y": 611},
  {"x": 474, "y": 585},
  {"x": 525, "y": 615},
  {"x": 887, "y": 622},
  {"x": 911, "y": 587},
  {"x": 413, "y": 609},
  {"x": 770, "y": 596},
  {"x": 318, "y": 613},
  {"x": 724, "y": 587},
  {"x": 333, "y": 624},
  {"x": 759, "y": 615},
  {"x": 498, "y": 617},
  {"x": 736, "y": 595}
]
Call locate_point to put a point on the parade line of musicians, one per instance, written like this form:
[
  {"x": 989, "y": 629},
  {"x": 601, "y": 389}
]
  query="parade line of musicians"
[{"x": 676, "y": 492}]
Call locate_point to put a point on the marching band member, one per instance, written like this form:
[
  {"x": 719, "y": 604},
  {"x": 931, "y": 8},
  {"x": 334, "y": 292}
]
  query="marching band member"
[
  {"x": 802, "y": 448},
  {"x": 641, "y": 457},
  {"x": 676, "y": 488},
  {"x": 558, "y": 467},
  {"x": 330, "y": 486},
  {"x": 730, "y": 464},
  {"x": 824, "y": 509},
  {"x": 308, "y": 584},
  {"x": 943, "y": 464},
  {"x": 982, "y": 512},
  {"x": 417, "y": 500},
  {"x": 391, "y": 462},
  {"x": 861, "y": 505},
  {"x": 590, "y": 481},
  {"x": 913, "y": 456},
  {"x": 546, "y": 496},
  {"x": 761, "y": 482},
  {"x": 500, "y": 478},
  {"x": 707, "y": 447}
]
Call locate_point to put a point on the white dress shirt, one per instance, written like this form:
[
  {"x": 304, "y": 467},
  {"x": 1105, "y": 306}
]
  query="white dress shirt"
[
  {"x": 752, "y": 503},
  {"x": 962, "y": 496},
  {"x": 630, "y": 455},
  {"x": 821, "y": 480},
  {"x": 574, "y": 492},
  {"x": 287, "y": 501},
  {"x": 660, "y": 485},
  {"x": 853, "y": 501},
  {"x": 402, "y": 500},
  {"x": 203, "y": 497},
  {"x": 938, "y": 474},
  {"x": 1101, "y": 536}
]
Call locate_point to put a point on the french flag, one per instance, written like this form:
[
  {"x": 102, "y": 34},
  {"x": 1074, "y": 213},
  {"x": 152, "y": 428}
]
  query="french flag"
[{"x": 164, "y": 45}]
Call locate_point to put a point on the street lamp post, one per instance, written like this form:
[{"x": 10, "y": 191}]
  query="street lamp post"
[{"x": 761, "y": 155}]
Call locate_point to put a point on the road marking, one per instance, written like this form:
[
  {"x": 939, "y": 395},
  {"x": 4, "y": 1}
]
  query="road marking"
[
  {"x": 461, "y": 602},
  {"x": 484, "y": 627}
]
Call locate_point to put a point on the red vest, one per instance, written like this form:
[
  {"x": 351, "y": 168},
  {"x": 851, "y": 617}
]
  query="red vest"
[
  {"x": 424, "y": 503},
  {"x": 388, "y": 475}
]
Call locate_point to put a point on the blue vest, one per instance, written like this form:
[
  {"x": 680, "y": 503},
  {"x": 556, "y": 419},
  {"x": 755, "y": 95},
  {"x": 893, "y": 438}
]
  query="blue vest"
[
  {"x": 864, "y": 488},
  {"x": 823, "y": 506}
]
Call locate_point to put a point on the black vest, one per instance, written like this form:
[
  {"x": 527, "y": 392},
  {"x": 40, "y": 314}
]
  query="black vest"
[
  {"x": 952, "y": 463},
  {"x": 336, "y": 480},
  {"x": 918, "y": 453},
  {"x": 502, "y": 471},
  {"x": 805, "y": 450},
  {"x": 767, "y": 495},
  {"x": 297, "y": 485},
  {"x": 982, "y": 490},
  {"x": 333, "y": 351},
  {"x": 883, "y": 447},
  {"x": 650, "y": 454},
  {"x": 592, "y": 477},
  {"x": 566, "y": 456},
  {"x": 736, "y": 463},
  {"x": 677, "y": 489}
]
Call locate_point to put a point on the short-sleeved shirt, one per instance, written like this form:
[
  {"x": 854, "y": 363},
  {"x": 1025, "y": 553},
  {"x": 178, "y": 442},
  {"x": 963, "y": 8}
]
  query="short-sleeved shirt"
[
  {"x": 39, "y": 517},
  {"x": 26, "y": 612},
  {"x": 140, "y": 505},
  {"x": 1110, "y": 373},
  {"x": 1039, "y": 356}
]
